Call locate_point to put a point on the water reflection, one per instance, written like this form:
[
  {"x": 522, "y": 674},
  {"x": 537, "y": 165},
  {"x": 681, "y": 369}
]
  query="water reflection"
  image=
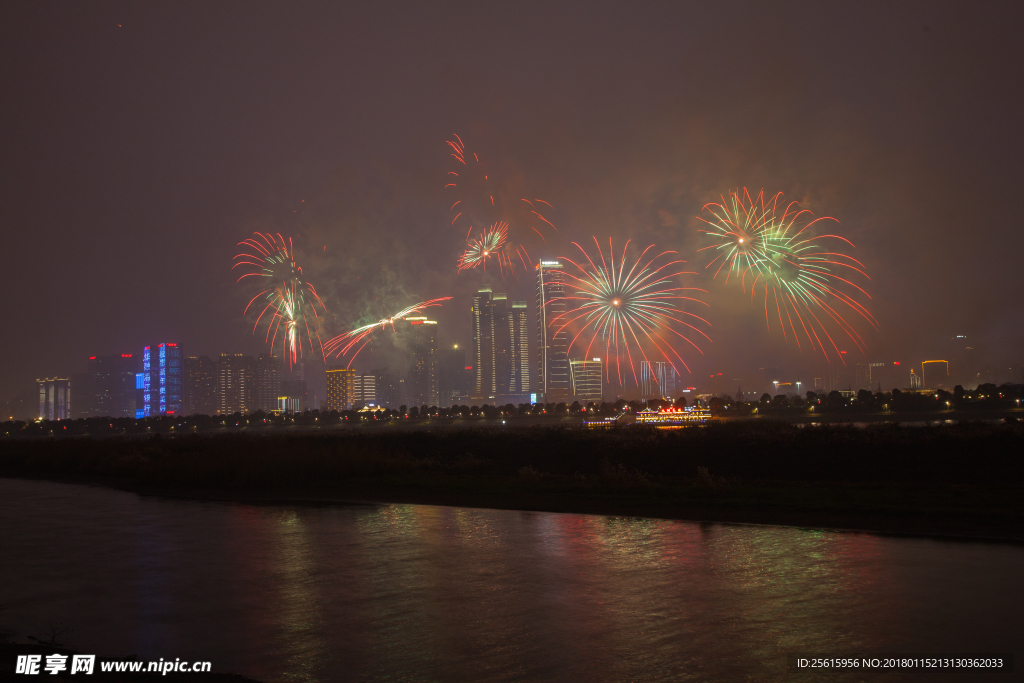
[{"x": 404, "y": 592}]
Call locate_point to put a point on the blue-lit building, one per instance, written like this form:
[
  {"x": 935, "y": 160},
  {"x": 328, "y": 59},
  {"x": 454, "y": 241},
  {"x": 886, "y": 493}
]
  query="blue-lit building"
[{"x": 160, "y": 381}]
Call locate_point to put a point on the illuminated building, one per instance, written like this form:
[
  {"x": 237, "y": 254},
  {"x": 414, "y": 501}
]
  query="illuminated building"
[
  {"x": 553, "y": 382},
  {"x": 170, "y": 379},
  {"x": 485, "y": 381},
  {"x": 502, "y": 345},
  {"x": 587, "y": 380},
  {"x": 915, "y": 381},
  {"x": 288, "y": 404},
  {"x": 267, "y": 383},
  {"x": 517, "y": 328},
  {"x": 423, "y": 372},
  {"x": 199, "y": 386},
  {"x": 657, "y": 380},
  {"x": 671, "y": 416},
  {"x": 364, "y": 390},
  {"x": 341, "y": 388},
  {"x": 54, "y": 398},
  {"x": 935, "y": 374},
  {"x": 236, "y": 383},
  {"x": 501, "y": 350},
  {"x": 161, "y": 381},
  {"x": 145, "y": 383},
  {"x": 296, "y": 389}
]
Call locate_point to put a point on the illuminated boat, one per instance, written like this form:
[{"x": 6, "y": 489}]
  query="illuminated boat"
[{"x": 674, "y": 417}]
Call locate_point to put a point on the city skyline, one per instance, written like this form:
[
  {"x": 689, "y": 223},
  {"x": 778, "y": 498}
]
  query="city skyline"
[{"x": 664, "y": 135}]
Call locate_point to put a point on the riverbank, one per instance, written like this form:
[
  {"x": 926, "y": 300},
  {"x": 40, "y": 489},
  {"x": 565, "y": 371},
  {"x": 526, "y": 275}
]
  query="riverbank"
[{"x": 960, "y": 480}]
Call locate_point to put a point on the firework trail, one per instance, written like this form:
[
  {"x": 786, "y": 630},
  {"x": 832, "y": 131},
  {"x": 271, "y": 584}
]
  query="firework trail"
[
  {"x": 805, "y": 280},
  {"x": 634, "y": 310},
  {"x": 361, "y": 336},
  {"x": 477, "y": 204},
  {"x": 290, "y": 301}
]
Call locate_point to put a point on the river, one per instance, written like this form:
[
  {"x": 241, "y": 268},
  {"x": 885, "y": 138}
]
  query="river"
[{"x": 424, "y": 593}]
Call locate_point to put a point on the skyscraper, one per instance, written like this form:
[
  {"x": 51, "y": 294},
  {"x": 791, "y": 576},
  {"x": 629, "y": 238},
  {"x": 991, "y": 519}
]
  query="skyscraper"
[
  {"x": 502, "y": 345},
  {"x": 386, "y": 386},
  {"x": 423, "y": 372},
  {"x": 268, "y": 382},
  {"x": 484, "y": 377},
  {"x": 199, "y": 386},
  {"x": 519, "y": 350},
  {"x": 161, "y": 380},
  {"x": 170, "y": 372},
  {"x": 236, "y": 383},
  {"x": 340, "y": 388},
  {"x": 501, "y": 350},
  {"x": 552, "y": 359},
  {"x": 364, "y": 390},
  {"x": 587, "y": 380},
  {"x": 54, "y": 398}
]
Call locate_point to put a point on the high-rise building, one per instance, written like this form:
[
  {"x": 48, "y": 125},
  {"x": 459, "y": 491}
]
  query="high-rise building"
[
  {"x": 386, "y": 388},
  {"x": 915, "y": 381},
  {"x": 364, "y": 390},
  {"x": 657, "y": 379},
  {"x": 500, "y": 351},
  {"x": 485, "y": 384},
  {"x": 236, "y": 383},
  {"x": 423, "y": 371},
  {"x": 199, "y": 386},
  {"x": 161, "y": 381},
  {"x": 502, "y": 345},
  {"x": 587, "y": 380},
  {"x": 341, "y": 388},
  {"x": 268, "y": 382},
  {"x": 552, "y": 359},
  {"x": 519, "y": 350},
  {"x": 54, "y": 398},
  {"x": 170, "y": 371}
]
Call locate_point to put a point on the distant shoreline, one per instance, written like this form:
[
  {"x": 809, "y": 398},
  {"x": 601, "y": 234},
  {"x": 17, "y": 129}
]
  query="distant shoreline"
[{"x": 959, "y": 481}]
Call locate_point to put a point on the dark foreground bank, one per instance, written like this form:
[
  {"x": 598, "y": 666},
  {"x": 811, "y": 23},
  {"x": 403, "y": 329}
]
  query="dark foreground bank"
[{"x": 959, "y": 480}]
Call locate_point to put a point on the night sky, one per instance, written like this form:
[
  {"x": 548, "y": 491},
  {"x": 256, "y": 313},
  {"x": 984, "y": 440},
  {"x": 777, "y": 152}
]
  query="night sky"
[{"x": 142, "y": 141}]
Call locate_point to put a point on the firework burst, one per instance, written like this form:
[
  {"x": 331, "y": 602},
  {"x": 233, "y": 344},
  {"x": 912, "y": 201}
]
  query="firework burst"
[
  {"x": 489, "y": 244},
  {"x": 634, "y": 311},
  {"x": 356, "y": 339},
  {"x": 804, "y": 279},
  {"x": 289, "y": 301},
  {"x": 477, "y": 203}
]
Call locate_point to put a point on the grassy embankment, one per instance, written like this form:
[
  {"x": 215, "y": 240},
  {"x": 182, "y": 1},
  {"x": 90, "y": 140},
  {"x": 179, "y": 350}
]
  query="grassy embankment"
[{"x": 963, "y": 479}]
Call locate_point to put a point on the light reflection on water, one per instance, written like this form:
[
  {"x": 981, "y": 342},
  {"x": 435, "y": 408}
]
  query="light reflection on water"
[{"x": 407, "y": 592}]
